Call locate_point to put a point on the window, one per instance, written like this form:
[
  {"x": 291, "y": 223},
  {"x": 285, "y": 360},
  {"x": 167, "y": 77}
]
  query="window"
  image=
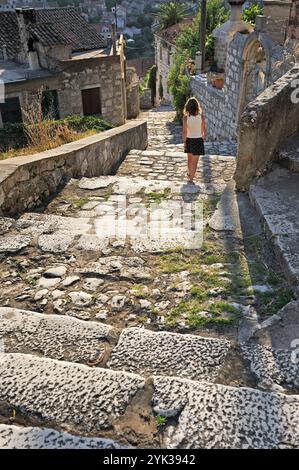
[
  {"x": 11, "y": 110},
  {"x": 161, "y": 53},
  {"x": 91, "y": 99},
  {"x": 50, "y": 104}
]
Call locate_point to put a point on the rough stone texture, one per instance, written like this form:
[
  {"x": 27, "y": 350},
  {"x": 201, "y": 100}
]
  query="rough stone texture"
[
  {"x": 275, "y": 197},
  {"x": 14, "y": 243},
  {"x": 34, "y": 178},
  {"x": 164, "y": 353},
  {"x": 176, "y": 291},
  {"x": 224, "y": 107},
  {"x": 273, "y": 349},
  {"x": 73, "y": 395},
  {"x": 265, "y": 123},
  {"x": 288, "y": 153},
  {"x": 235, "y": 214},
  {"x": 133, "y": 95},
  {"x": 118, "y": 267},
  {"x": 15, "y": 437},
  {"x": 217, "y": 416},
  {"x": 53, "y": 336},
  {"x": 146, "y": 99}
]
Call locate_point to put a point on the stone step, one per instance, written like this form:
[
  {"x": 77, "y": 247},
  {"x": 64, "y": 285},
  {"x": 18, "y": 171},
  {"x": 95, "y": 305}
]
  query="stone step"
[
  {"x": 217, "y": 416},
  {"x": 288, "y": 153},
  {"x": 275, "y": 197},
  {"x": 145, "y": 352},
  {"x": 54, "y": 336},
  {"x": 273, "y": 350},
  {"x": 16, "y": 437},
  {"x": 77, "y": 398},
  {"x": 144, "y": 226},
  {"x": 86, "y": 401}
]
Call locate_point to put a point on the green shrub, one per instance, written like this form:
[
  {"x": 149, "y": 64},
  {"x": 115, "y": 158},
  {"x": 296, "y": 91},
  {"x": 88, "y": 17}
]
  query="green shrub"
[
  {"x": 151, "y": 81},
  {"x": 17, "y": 136},
  {"x": 249, "y": 14},
  {"x": 12, "y": 136},
  {"x": 87, "y": 123}
]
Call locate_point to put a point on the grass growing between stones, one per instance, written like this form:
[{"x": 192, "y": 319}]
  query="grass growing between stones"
[
  {"x": 223, "y": 284},
  {"x": 108, "y": 193},
  {"x": 154, "y": 197},
  {"x": 139, "y": 291},
  {"x": 78, "y": 203}
]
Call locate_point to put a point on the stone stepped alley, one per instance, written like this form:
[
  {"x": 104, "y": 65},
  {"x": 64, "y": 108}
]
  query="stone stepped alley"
[{"x": 114, "y": 341}]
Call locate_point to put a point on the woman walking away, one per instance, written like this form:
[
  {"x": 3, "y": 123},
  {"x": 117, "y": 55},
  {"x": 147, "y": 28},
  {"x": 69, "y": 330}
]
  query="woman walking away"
[{"x": 194, "y": 135}]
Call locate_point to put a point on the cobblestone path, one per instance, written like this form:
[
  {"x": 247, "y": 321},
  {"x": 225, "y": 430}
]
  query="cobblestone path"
[{"x": 128, "y": 308}]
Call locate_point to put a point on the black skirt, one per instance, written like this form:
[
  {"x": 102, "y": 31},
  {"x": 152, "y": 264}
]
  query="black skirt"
[{"x": 195, "y": 146}]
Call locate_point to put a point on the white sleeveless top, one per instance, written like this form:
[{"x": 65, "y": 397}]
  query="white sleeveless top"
[{"x": 194, "y": 127}]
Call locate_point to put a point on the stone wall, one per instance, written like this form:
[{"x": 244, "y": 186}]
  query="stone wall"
[
  {"x": 278, "y": 15},
  {"x": 28, "y": 181},
  {"x": 223, "y": 108},
  {"x": 164, "y": 60},
  {"x": 220, "y": 106},
  {"x": 133, "y": 95},
  {"x": 146, "y": 99},
  {"x": 142, "y": 65},
  {"x": 265, "y": 123}
]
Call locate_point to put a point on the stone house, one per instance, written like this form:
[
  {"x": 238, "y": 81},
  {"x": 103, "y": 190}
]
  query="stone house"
[
  {"x": 165, "y": 46},
  {"x": 250, "y": 59},
  {"x": 57, "y": 50}
]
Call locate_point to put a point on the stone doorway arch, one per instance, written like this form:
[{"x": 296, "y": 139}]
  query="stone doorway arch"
[{"x": 256, "y": 76}]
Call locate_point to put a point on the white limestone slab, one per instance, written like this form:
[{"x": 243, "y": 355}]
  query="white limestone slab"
[
  {"x": 54, "y": 336},
  {"x": 75, "y": 396},
  {"x": 145, "y": 352},
  {"x": 217, "y": 416},
  {"x": 15, "y": 437}
]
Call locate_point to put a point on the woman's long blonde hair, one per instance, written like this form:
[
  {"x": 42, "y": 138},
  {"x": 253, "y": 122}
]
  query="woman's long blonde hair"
[{"x": 192, "y": 107}]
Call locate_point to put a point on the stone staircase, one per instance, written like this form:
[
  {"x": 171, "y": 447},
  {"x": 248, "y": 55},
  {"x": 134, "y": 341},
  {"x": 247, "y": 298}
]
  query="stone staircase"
[
  {"x": 87, "y": 400},
  {"x": 275, "y": 197},
  {"x": 88, "y": 359}
]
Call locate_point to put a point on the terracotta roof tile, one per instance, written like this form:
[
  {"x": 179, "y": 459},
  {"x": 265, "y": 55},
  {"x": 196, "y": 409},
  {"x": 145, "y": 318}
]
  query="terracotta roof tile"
[
  {"x": 51, "y": 27},
  {"x": 170, "y": 34}
]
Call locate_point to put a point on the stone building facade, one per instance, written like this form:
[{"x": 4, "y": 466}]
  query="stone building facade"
[
  {"x": 58, "y": 51},
  {"x": 165, "y": 47},
  {"x": 251, "y": 60}
]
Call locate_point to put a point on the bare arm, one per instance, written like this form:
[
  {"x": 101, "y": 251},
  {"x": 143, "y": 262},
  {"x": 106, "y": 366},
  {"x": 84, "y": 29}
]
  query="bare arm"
[
  {"x": 203, "y": 126},
  {"x": 185, "y": 129}
]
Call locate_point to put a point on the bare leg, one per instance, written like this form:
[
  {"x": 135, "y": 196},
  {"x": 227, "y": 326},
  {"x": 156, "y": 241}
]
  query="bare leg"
[
  {"x": 190, "y": 163},
  {"x": 194, "y": 163}
]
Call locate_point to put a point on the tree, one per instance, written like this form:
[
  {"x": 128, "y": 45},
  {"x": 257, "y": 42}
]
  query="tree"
[
  {"x": 171, "y": 13},
  {"x": 186, "y": 47}
]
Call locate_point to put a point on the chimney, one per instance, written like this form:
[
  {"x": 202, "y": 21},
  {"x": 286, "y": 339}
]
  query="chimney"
[{"x": 25, "y": 17}]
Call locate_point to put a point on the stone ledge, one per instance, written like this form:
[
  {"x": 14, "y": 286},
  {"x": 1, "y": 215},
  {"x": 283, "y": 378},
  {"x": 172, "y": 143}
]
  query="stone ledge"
[
  {"x": 265, "y": 124},
  {"x": 28, "y": 181}
]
